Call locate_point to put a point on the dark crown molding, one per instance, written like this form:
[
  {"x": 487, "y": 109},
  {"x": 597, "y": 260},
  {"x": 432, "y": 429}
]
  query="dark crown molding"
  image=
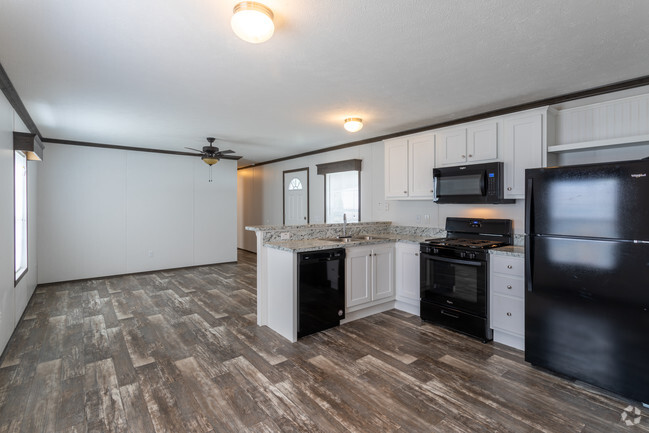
[
  {"x": 17, "y": 104},
  {"x": 609, "y": 88},
  {"x": 12, "y": 96}
]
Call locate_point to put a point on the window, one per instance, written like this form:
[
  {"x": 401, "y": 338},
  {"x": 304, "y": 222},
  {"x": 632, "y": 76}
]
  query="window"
[
  {"x": 295, "y": 184},
  {"x": 342, "y": 196},
  {"x": 20, "y": 213},
  {"x": 342, "y": 190}
]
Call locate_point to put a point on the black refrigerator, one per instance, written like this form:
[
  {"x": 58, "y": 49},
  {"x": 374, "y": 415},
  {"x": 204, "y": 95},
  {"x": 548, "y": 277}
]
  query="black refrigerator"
[{"x": 587, "y": 274}]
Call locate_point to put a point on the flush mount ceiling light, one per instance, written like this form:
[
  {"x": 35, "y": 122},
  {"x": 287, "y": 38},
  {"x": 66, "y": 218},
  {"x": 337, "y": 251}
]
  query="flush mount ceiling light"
[
  {"x": 252, "y": 22},
  {"x": 353, "y": 124}
]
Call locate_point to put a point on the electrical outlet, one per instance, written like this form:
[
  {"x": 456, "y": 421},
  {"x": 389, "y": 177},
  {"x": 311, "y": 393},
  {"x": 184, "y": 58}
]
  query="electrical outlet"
[
  {"x": 427, "y": 219},
  {"x": 150, "y": 254},
  {"x": 387, "y": 206},
  {"x": 418, "y": 219},
  {"x": 285, "y": 236}
]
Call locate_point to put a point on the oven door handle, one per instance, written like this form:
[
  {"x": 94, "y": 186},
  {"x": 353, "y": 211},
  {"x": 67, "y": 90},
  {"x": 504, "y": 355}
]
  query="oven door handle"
[{"x": 456, "y": 261}]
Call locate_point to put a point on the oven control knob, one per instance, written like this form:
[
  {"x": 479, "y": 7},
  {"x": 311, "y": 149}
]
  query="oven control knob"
[
  {"x": 435, "y": 251},
  {"x": 471, "y": 255},
  {"x": 463, "y": 254}
]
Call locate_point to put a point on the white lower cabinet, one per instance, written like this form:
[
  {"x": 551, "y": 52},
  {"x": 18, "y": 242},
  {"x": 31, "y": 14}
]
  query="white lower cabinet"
[
  {"x": 407, "y": 277},
  {"x": 507, "y": 300},
  {"x": 369, "y": 276}
]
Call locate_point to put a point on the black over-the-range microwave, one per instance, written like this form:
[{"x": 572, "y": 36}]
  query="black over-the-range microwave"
[{"x": 473, "y": 184}]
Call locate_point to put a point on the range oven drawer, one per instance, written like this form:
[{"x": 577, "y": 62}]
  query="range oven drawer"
[{"x": 457, "y": 320}]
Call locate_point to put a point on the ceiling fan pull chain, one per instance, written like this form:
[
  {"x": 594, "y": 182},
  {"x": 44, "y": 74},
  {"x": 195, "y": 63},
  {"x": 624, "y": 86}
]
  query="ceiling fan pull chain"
[{"x": 210, "y": 173}]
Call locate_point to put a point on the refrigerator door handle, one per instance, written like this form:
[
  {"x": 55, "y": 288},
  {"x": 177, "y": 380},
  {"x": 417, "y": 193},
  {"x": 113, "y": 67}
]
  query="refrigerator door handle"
[
  {"x": 529, "y": 261},
  {"x": 529, "y": 190}
]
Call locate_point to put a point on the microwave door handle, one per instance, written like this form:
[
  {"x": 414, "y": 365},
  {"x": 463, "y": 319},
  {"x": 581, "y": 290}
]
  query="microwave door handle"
[
  {"x": 435, "y": 197},
  {"x": 483, "y": 184}
]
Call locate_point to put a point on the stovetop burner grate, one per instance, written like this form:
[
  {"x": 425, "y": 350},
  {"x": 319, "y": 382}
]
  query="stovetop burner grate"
[{"x": 466, "y": 243}]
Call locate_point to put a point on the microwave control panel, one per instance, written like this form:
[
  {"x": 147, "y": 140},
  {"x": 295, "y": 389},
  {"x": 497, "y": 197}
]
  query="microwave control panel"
[{"x": 491, "y": 183}]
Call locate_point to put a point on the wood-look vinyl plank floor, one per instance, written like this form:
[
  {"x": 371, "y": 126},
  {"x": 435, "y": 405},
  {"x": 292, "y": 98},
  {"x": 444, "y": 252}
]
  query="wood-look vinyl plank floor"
[{"x": 180, "y": 351}]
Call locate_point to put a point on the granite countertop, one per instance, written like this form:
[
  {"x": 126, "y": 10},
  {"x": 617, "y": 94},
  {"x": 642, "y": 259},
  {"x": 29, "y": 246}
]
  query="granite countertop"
[
  {"x": 511, "y": 250},
  {"x": 301, "y": 245}
]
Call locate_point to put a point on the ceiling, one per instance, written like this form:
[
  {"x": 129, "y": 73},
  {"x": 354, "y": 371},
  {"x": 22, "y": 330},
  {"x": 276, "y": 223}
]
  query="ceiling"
[{"x": 168, "y": 73}]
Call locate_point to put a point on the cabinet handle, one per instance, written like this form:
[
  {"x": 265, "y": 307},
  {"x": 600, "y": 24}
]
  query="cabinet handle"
[
  {"x": 416, "y": 254},
  {"x": 432, "y": 190},
  {"x": 463, "y": 156},
  {"x": 509, "y": 287},
  {"x": 509, "y": 314},
  {"x": 509, "y": 188},
  {"x": 470, "y": 156},
  {"x": 509, "y": 266},
  {"x": 405, "y": 192}
]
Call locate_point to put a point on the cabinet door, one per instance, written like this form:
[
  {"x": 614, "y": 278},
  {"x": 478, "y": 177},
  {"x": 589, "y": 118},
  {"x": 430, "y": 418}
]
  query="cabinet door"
[
  {"x": 508, "y": 314},
  {"x": 482, "y": 142},
  {"x": 523, "y": 148},
  {"x": 396, "y": 168},
  {"x": 358, "y": 278},
  {"x": 383, "y": 272},
  {"x": 451, "y": 146},
  {"x": 407, "y": 272},
  {"x": 422, "y": 161}
]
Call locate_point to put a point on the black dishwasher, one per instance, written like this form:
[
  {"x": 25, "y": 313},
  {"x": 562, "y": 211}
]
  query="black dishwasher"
[{"x": 320, "y": 290}]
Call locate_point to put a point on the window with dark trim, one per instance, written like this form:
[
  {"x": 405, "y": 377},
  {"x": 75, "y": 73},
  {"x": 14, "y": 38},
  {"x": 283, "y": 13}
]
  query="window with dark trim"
[
  {"x": 20, "y": 214},
  {"x": 342, "y": 190}
]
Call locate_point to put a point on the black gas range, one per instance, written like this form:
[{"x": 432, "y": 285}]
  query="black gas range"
[{"x": 454, "y": 274}]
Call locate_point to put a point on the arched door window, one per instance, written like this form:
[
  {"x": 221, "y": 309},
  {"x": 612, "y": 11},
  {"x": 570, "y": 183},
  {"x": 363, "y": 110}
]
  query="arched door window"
[{"x": 295, "y": 184}]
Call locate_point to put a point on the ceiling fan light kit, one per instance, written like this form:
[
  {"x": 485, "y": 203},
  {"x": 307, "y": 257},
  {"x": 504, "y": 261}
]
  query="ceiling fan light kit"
[
  {"x": 252, "y": 22},
  {"x": 353, "y": 124},
  {"x": 209, "y": 160}
]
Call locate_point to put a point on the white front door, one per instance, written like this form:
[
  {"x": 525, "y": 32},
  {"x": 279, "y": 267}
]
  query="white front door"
[{"x": 296, "y": 197}]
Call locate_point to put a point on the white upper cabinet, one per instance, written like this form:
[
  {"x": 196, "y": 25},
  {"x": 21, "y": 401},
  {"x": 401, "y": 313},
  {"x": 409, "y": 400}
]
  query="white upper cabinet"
[
  {"x": 396, "y": 168},
  {"x": 477, "y": 142},
  {"x": 409, "y": 163},
  {"x": 524, "y": 146},
  {"x": 482, "y": 142},
  {"x": 451, "y": 146}
]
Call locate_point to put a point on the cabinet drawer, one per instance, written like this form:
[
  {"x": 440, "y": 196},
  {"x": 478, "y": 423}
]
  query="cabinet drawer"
[
  {"x": 506, "y": 285},
  {"x": 508, "y": 314},
  {"x": 508, "y": 265}
]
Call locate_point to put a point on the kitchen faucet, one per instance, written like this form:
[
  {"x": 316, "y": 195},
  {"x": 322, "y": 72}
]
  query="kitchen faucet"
[{"x": 344, "y": 225}]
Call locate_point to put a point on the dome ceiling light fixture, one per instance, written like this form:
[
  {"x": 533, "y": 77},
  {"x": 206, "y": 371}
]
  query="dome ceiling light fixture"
[
  {"x": 252, "y": 22},
  {"x": 353, "y": 124}
]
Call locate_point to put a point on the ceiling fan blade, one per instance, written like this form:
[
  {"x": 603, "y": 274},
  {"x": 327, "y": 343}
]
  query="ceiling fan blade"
[
  {"x": 233, "y": 157},
  {"x": 195, "y": 150},
  {"x": 223, "y": 152}
]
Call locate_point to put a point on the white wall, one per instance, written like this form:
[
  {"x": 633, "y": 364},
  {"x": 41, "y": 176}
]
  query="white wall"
[
  {"x": 266, "y": 195},
  {"x": 107, "y": 212},
  {"x": 13, "y": 300}
]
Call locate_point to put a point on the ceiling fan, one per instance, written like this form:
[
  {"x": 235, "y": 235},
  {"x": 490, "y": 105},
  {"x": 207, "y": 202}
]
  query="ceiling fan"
[{"x": 211, "y": 154}]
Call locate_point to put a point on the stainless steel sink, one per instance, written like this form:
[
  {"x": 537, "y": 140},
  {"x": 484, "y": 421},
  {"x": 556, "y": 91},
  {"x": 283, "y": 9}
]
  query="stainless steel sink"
[
  {"x": 368, "y": 237},
  {"x": 342, "y": 239},
  {"x": 356, "y": 238}
]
